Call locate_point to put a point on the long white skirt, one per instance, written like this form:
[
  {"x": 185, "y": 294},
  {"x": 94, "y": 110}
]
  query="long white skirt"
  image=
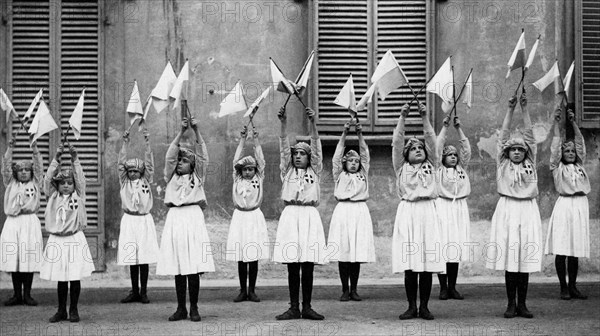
[
  {"x": 248, "y": 238},
  {"x": 417, "y": 239},
  {"x": 300, "y": 236},
  {"x": 185, "y": 247},
  {"x": 515, "y": 237},
  {"x": 67, "y": 258},
  {"x": 21, "y": 244},
  {"x": 137, "y": 240},
  {"x": 351, "y": 233},
  {"x": 569, "y": 228},
  {"x": 456, "y": 228}
]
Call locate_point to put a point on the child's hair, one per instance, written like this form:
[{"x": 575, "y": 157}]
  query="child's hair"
[
  {"x": 66, "y": 174},
  {"x": 517, "y": 142},
  {"x": 410, "y": 143},
  {"x": 189, "y": 154},
  {"x": 565, "y": 145},
  {"x": 304, "y": 147},
  {"x": 135, "y": 164},
  {"x": 350, "y": 154},
  {"x": 247, "y": 161},
  {"x": 16, "y": 166},
  {"x": 449, "y": 149}
]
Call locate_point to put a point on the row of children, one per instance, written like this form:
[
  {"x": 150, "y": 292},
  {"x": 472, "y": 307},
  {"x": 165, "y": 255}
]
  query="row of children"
[{"x": 432, "y": 212}]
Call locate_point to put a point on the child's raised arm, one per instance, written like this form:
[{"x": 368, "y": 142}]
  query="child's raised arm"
[
  {"x": 316, "y": 153},
  {"x": 336, "y": 160},
  {"x": 201, "y": 152},
  {"x": 78, "y": 175},
  {"x": 173, "y": 151},
  {"x": 49, "y": 187},
  {"x": 148, "y": 158},
  {"x": 429, "y": 134},
  {"x": 528, "y": 133},
  {"x": 441, "y": 139},
  {"x": 555, "y": 150},
  {"x": 578, "y": 139},
  {"x": 505, "y": 133},
  {"x": 398, "y": 140},
  {"x": 258, "y": 154},
  {"x": 38, "y": 165},
  {"x": 464, "y": 151},
  {"x": 7, "y": 174},
  {"x": 285, "y": 153}
]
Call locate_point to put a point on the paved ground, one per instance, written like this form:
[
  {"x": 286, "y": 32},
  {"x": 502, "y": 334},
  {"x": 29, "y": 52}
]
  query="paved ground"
[{"x": 479, "y": 314}]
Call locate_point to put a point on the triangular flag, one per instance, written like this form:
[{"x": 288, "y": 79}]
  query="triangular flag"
[
  {"x": 279, "y": 81},
  {"x": 346, "y": 98},
  {"x": 234, "y": 101},
  {"x": 442, "y": 84},
  {"x": 180, "y": 85},
  {"x": 542, "y": 83},
  {"x": 33, "y": 104},
  {"x": 42, "y": 122},
  {"x": 468, "y": 99},
  {"x": 165, "y": 83},
  {"x": 77, "y": 117},
  {"x": 302, "y": 79},
  {"x": 388, "y": 75},
  {"x": 258, "y": 100},
  {"x": 134, "y": 107},
  {"x": 567, "y": 79},
  {"x": 7, "y": 106},
  {"x": 366, "y": 98},
  {"x": 532, "y": 54},
  {"x": 517, "y": 59}
]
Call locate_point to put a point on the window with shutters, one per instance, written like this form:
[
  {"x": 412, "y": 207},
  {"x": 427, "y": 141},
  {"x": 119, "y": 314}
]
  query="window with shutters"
[
  {"x": 55, "y": 46},
  {"x": 587, "y": 76},
  {"x": 352, "y": 37}
]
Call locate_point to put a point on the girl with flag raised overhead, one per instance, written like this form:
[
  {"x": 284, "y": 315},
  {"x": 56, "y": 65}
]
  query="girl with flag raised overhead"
[
  {"x": 67, "y": 256},
  {"x": 138, "y": 245},
  {"x": 248, "y": 239},
  {"x": 417, "y": 238},
  {"x": 21, "y": 238},
  {"x": 569, "y": 228},
  {"x": 351, "y": 230},
  {"x": 300, "y": 240},
  {"x": 185, "y": 245},
  {"x": 515, "y": 235},
  {"x": 453, "y": 187}
]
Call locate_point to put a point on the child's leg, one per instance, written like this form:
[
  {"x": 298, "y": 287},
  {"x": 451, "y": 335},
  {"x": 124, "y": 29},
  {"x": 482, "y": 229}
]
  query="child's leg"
[
  {"x": 443, "y": 279},
  {"x": 27, "y": 279},
  {"x": 17, "y": 297},
  {"x": 523, "y": 283},
  {"x": 144, "y": 271},
  {"x": 180, "y": 288},
  {"x": 294, "y": 288},
  {"x": 194, "y": 286},
  {"x": 243, "y": 275},
  {"x": 561, "y": 272},
  {"x": 511, "y": 280},
  {"x": 252, "y": 275},
  {"x": 452, "y": 270},
  {"x": 75, "y": 291},
  {"x": 307, "y": 286},
  {"x": 573, "y": 268},
  {"x": 134, "y": 294},
  {"x": 411, "y": 285},
  {"x": 62, "y": 290},
  {"x": 425, "y": 282},
  {"x": 344, "y": 277},
  {"x": 354, "y": 274}
]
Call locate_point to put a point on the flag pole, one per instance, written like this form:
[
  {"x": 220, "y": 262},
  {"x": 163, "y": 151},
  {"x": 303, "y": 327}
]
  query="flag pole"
[
  {"x": 461, "y": 90},
  {"x": 300, "y": 99},
  {"x": 287, "y": 100},
  {"x": 453, "y": 92}
]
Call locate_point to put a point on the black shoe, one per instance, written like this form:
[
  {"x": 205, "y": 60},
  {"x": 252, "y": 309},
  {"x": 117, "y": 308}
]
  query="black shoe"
[
  {"x": 443, "y": 294},
  {"x": 253, "y": 297},
  {"x": 13, "y": 301},
  {"x": 180, "y": 314},
  {"x": 410, "y": 313},
  {"x": 575, "y": 294},
  {"x": 523, "y": 311},
  {"x": 309, "y": 314},
  {"x": 511, "y": 311},
  {"x": 144, "y": 298},
  {"x": 291, "y": 314},
  {"x": 425, "y": 314},
  {"x": 59, "y": 316},
  {"x": 194, "y": 315},
  {"x": 29, "y": 301},
  {"x": 454, "y": 294},
  {"x": 73, "y": 315},
  {"x": 132, "y": 297},
  {"x": 345, "y": 296},
  {"x": 241, "y": 297},
  {"x": 564, "y": 294},
  {"x": 354, "y": 296}
]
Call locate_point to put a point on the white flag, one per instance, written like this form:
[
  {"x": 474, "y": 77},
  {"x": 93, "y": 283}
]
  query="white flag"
[
  {"x": 517, "y": 59},
  {"x": 257, "y": 101},
  {"x": 279, "y": 81},
  {"x": 542, "y": 83},
  {"x": 532, "y": 54},
  {"x": 160, "y": 93},
  {"x": 468, "y": 99},
  {"x": 180, "y": 85},
  {"x": 346, "y": 98},
  {"x": 42, "y": 122},
  {"x": 7, "y": 106},
  {"x": 442, "y": 84},
  {"x": 33, "y": 104},
  {"x": 233, "y": 102},
  {"x": 567, "y": 80},
  {"x": 388, "y": 75},
  {"x": 366, "y": 98},
  {"x": 303, "y": 76},
  {"x": 134, "y": 107},
  {"x": 77, "y": 117}
]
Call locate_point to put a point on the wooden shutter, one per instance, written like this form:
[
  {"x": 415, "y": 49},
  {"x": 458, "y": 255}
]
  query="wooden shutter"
[
  {"x": 588, "y": 49},
  {"x": 342, "y": 48}
]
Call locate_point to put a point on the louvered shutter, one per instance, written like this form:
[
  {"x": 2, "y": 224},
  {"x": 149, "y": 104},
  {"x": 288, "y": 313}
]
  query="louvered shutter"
[
  {"x": 352, "y": 36},
  {"x": 588, "y": 49},
  {"x": 342, "y": 32}
]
